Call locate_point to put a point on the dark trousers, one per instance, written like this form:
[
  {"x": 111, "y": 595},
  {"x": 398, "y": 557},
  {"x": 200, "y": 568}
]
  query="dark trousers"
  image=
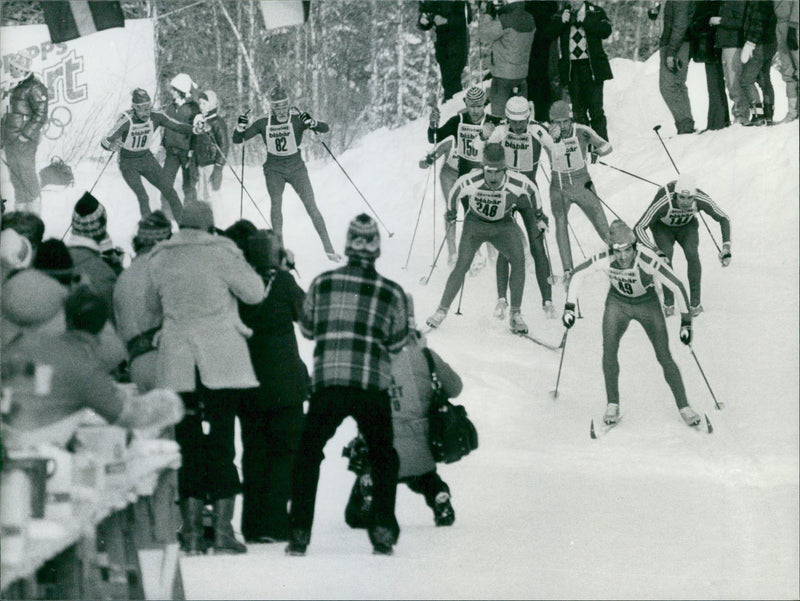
[
  {"x": 269, "y": 441},
  {"x": 428, "y": 485},
  {"x": 451, "y": 54},
  {"x": 327, "y": 409},
  {"x": 687, "y": 236},
  {"x": 207, "y": 471},
  {"x": 180, "y": 158},
  {"x": 587, "y": 98},
  {"x": 718, "y": 115},
  {"x": 21, "y": 159},
  {"x": 539, "y": 86},
  {"x": 540, "y": 261},
  {"x": 616, "y": 318},
  {"x": 146, "y": 166}
]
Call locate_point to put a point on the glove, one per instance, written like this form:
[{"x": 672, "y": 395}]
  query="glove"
[
  {"x": 157, "y": 408},
  {"x": 308, "y": 120},
  {"x": 581, "y": 14},
  {"x": 426, "y": 162},
  {"x": 791, "y": 38},
  {"x": 714, "y": 21},
  {"x": 286, "y": 259},
  {"x": 568, "y": 318},
  {"x": 242, "y": 122},
  {"x": 725, "y": 255},
  {"x": 686, "y": 329},
  {"x": 450, "y": 215},
  {"x": 565, "y": 16},
  {"x": 554, "y": 129},
  {"x": 487, "y": 130},
  {"x": 115, "y": 145},
  {"x": 434, "y": 119},
  {"x": 652, "y": 12},
  {"x": 542, "y": 221},
  {"x": 199, "y": 124},
  {"x": 216, "y": 178},
  {"x": 747, "y": 51},
  {"x": 670, "y": 64}
]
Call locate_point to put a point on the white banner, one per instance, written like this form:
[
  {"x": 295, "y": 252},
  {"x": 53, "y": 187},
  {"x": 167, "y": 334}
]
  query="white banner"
[{"x": 89, "y": 82}]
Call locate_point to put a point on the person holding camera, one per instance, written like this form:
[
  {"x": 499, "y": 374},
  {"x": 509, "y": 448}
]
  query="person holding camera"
[
  {"x": 282, "y": 132},
  {"x": 674, "y": 52},
  {"x": 581, "y": 28}
]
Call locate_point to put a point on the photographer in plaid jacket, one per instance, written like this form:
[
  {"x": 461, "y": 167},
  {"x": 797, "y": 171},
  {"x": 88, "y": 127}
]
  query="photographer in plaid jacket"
[{"x": 356, "y": 317}]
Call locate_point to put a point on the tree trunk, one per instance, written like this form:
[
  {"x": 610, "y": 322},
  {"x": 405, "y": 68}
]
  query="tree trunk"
[
  {"x": 217, "y": 37},
  {"x": 251, "y": 43},
  {"x": 239, "y": 63},
  {"x": 401, "y": 59},
  {"x": 245, "y": 55}
]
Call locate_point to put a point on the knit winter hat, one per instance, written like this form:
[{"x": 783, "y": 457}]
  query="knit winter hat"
[
  {"x": 620, "y": 236},
  {"x": 140, "y": 96},
  {"x": 494, "y": 156},
  {"x": 29, "y": 225},
  {"x": 22, "y": 60},
  {"x": 686, "y": 184},
  {"x": 53, "y": 258},
  {"x": 31, "y": 298},
  {"x": 85, "y": 311},
  {"x": 363, "y": 238},
  {"x": 197, "y": 215},
  {"x": 560, "y": 110},
  {"x": 518, "y": 109},
  {"x": 89, "y": 218},
  {"x": 475, "y": 96},
  {"x": 153, "y": 228},
  {"x": 278, "y": 97},
  {"x": 15, "y": 250}
]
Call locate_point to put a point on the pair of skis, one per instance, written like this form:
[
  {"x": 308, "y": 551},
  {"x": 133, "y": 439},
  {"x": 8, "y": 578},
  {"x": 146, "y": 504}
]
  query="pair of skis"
[{"x": 603, "y": 428}]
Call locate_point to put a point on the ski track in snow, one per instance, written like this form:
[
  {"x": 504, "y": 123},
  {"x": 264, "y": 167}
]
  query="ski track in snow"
[{"x": 654, "y": 509}]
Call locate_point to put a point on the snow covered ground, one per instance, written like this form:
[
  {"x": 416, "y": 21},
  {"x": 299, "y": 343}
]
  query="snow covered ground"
[{"x": 653, "y": 510}]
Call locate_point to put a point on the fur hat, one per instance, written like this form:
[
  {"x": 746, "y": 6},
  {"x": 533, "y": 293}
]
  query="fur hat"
[
  {"x": 89, "y": 218},
  {"x": 240, "y": 231},
  {"x": 31, "y": 298},
  {"x": 85, "y": 311},
  {"x": 196, "y": 215},
  {"x": 153, "y": 228},
  {"x": 15, "y": 250},
  {"x": 53, "y": 258},
  {"x": 26, "y": 224},
  {"x": 363, "y": 238}
]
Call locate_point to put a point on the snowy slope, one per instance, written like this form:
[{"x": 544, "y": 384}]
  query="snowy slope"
[{"x": 653, "y": 510}]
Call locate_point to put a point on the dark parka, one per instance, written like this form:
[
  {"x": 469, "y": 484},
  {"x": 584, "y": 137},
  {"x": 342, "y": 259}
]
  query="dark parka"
[
  {"x": 677, "y": 23},
  {"x": 597, "y": 28},
  {"x": 741, "y": 22},
  {"x": 211, "y": 147},
  {"x": 184, "y": 113},
  {"x": 27, "y": 111}
]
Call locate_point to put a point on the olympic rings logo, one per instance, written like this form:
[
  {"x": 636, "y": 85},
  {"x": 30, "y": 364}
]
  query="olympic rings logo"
[{"x": 59, "y": 118}]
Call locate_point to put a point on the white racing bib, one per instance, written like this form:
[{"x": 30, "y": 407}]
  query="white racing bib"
[
  {"x": 465, "y": 136},
  {"x": 139, "y": 135},
  {"x": 489, "y": 205},
  {"x": 519, "y": 151},
  {"x": 676, "y": 217},
  {"x": 567, "y": 156},
  {"x": 280, "y": 139},
  {"x": 627, "y": 282}
]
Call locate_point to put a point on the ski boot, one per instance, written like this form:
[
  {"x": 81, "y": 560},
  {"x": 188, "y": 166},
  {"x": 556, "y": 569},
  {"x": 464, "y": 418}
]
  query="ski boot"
[
  {"x": 443, "y": 513},
  {"x": 435, "y": 320},
  {"x": 549, "y": 309},
  {"x": 690, "y": 416},
  {"x": 696, "y": 310},
  {"x": 500, "y": 308},
  {"x": 669, "y": 310},
  {"x": 518, "y": 325},
  {"x": 298, "y": 542},
  {"x": 611, "y": 416}
]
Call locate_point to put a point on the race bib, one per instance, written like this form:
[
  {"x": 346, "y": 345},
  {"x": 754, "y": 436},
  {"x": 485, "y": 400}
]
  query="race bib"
[
  {"x": 139, "y": 136},
  {"x": 567, "y": 155},
  {"x": 280, "y": 139},
  {"x": 519, "y": 151},
  {"x": 627, "y": 282},
  {"x": 677, "y": 217},
  {"x": 466, "y": 137},
  {"x": 489, "y": 205}
]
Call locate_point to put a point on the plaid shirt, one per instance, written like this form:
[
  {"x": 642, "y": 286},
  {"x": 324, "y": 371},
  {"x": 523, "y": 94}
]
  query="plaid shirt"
[{"x": 357, "y": 317}]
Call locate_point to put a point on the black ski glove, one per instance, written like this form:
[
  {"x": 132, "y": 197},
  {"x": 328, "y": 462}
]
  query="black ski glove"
[
  {"x": 568, "y": 318},
  {"x": 686, "y": 329},
  {"x": 791, "y": 38}
]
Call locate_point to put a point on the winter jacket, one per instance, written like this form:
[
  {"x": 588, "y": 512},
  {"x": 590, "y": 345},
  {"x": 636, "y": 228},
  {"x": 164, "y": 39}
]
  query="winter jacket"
[
  {"x": 411, "y": 398},
  {"x": 282, "y": 375},
  {"x": 597, "y": 28},
  {"x": 194, "y": 281},
  {"x": 786, "y": 11},
  {"x": 702, "y": 33},
  {"x": 27, "y": 110},
  {"x": 511, "y": 36},
  {"x": 452, "y": 37},
  {"x": 677, "y": 21},
  {"x": 87, "y": 262},
  {"x": 184, "y": 113},
  {"x": 741, "y": 22},
  {"x": 211, "y": 146}
]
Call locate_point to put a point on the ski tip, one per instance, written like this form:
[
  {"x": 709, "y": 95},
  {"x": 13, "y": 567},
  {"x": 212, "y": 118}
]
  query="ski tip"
[
  {"x": 709, "y": 427},
  {"x": 591, "y": 431}
]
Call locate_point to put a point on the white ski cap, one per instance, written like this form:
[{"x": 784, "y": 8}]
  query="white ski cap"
[
  {"x": 182, "y": 83},
  {"x": 517, "y": 109},
  {"x": 686, "y": 185}
]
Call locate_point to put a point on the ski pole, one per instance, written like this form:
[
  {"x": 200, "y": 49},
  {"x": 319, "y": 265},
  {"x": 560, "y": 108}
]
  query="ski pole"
[
  {"x": 708, "y": 229},
  {"x": 580, "y": 248},
  {"x": 460, "y": 296},
  {"x": 718, "y": 405},
  {"x": 629, "y": 173},
  {"x": 241, "y": 192},
  {"x": 589, "y": 186},
  {"x": 554, "y": 393},
  {"x": 419, "y": 214},
  {"x": 335, "y": 160},
  {"x": 102, "y": 171},
  {"x": 425, "y": 279}
]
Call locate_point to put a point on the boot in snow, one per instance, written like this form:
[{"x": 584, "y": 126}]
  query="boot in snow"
[{"x": 690, "y": 416}]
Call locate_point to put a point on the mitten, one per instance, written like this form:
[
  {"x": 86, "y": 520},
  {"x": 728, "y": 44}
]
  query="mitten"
[
  {"x": 434, "y": 118},
  {"x": 791, "y": 38},
  {"x": 686, "y": 329},
  {"x": 426, "y": 162},
  {"x": 568, "y": 318},
  {"x": 199, "y": 124},
  {"x": 216, "y": 178},
  {"x": 286, "y": 259},
  {"x": 487, "y": 130},
  {"x": 565, "y": 16},
  {"x": 542, "y": 221},
  {"x": 450, "y": 215},
  {"x": 242, "y": 122},
  {"x": 554, "y": 129},
  {"x": 747, "y": 51},
  {"x": 663, "y": 257},
  {"x": 725, "y": 254},
  {"x": 671, "y": 64},
  {"x": 308, "y": 120}
]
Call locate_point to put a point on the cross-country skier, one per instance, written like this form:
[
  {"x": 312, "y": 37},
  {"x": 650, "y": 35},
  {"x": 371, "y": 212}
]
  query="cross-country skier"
[
  {"x": 521, "y": 141},
  {"x": 633, "y": 270},
  {"x": 491, "y": 196},
  {"x": 672, "y": 217},
  {"x": 567, "y": 145},
  {"x": 282, "y": 132},
  {"x": 131, "y": 136}
]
